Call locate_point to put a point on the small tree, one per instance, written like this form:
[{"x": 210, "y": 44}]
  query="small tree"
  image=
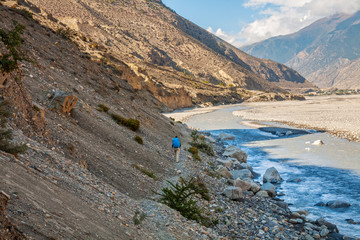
[{"x": 180, "y": 196}]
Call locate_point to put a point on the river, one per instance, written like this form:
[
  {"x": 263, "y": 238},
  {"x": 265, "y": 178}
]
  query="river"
[{"x": 324, "y": 172}]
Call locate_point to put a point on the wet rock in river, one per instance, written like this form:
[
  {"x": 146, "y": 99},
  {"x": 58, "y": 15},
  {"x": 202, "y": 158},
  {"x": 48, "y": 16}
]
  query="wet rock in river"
[
  {"x": 338, "y": 204},
  {"x": 225, "y": 136},
  {"x": 272, "y": 175}
]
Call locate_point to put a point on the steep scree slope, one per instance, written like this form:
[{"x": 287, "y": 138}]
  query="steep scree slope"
[{"x": 167, "y": 49}]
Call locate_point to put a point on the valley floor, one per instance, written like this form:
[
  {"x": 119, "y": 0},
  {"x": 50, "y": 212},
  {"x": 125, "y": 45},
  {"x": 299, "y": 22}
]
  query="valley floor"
[{"x": 339, "y": 115}]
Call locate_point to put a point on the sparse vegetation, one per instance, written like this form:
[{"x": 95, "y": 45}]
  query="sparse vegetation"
[
  {"x": 139, "y": 139},
  {"x": 130, "y": 123},
  {"x": 25, "y": 13},
  {"x": 6, "y": 135},
  {"x": 195, "y": 153},
  {"x": 12, "y": 41},
  {"x": 65, "y": 33},
  {"x": 199, "y": 142},
  {"x": 145, "y": 171},
  {"x": 181, "y": 197},
  {"x": 139, "y": 217},
  {"x": 102, "y": 108}
]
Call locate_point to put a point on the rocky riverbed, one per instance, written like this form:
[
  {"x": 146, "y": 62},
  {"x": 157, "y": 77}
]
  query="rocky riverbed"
[{"x": 339, "y": 115}]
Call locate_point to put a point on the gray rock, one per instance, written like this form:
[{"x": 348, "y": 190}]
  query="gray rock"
[
  {"x": 324, "y": 232},
  {"x": 296, "y": 215},
  {"x": 235, "y": 152},
  {"x": 255, "y": 187},
  {"x": 262, "y": 193},
  {"x": 330, "y": 226},
  {"x": 248, "y": 194},
  {"x": 338, "y": 204},
  {"x": 224, "y": 172},
  {"x": 210, "y": 139},
  {"x": 245, "y": 166},
  {"x": 282, "y": 204},
  {"x": 243, "y": 174},
  {"x": 294, "y": 180},
  {"x": 234, "y": 193},
  {"x": 320, "y": 204},
  {"x": 316, "y": 236},
  {"x": 308, "y": 237},
  {"x": 269, "y": 188},
  {"x": 225, "y": 136},
  {"x": 272, "y": 175},
  {"x": 293, "y": 220},
  {"x": 227, "y": 163},
  {"x": 245, "y": 186}
]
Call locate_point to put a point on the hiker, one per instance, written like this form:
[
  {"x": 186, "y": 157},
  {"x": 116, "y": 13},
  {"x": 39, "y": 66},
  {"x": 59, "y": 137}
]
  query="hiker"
[{"x": 176, "y": 145}]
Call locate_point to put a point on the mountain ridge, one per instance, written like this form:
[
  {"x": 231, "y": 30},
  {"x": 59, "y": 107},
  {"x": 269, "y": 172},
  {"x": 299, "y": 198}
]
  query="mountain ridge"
[
  {"x": 324, "y": 52},
  {"x": 170, "y": 50}
]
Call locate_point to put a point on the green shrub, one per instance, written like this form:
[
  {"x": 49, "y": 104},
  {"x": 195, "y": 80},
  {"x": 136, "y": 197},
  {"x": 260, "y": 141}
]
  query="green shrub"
[
  {"x": 102, "y": 108},
  {"x": 145, "y": 171},
  {"x": 195, "y": 153},
  {"x": 198, "y": 141},
  {"x": 138, "y": 139},
  {"x": 204, "y": 147},
  {"x": 130, "y": 123},
  {"x": 12, "y": 41},
  {"x": 138, "y": 217},
  {"x": 180, "y": 196},
  {"x": 6, "y": 135},
  {"x": 193, "y": 150}
]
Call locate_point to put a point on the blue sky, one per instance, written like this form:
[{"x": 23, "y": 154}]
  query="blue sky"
[{"x": 242, "y": 22}]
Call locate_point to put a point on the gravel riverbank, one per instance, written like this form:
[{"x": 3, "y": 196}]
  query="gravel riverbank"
[{"x": 338, "y": 115}]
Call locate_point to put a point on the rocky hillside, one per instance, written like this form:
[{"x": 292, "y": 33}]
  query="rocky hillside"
[
  {"x": 85, "y": 152},
  {"x": 326, "y": 53},
  {"x": 171, "y": 55}
]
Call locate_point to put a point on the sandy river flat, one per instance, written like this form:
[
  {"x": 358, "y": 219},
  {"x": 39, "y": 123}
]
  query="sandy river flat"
[{"x": 339, "y": 115}]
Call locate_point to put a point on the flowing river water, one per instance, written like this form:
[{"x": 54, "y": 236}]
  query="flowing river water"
[{"x": 320, "y": 173}]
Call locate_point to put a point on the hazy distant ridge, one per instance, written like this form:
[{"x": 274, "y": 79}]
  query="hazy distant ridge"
[{"x": 327, "y": 52}]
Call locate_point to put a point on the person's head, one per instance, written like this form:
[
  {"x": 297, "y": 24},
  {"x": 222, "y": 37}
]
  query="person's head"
[{"x": 176, "y": 136}]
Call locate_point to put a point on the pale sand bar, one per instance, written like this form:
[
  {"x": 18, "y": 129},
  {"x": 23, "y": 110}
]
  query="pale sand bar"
[{"x": 339, "y": 115}]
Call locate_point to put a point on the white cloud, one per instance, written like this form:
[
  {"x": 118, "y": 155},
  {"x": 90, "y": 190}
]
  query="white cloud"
[{"x": 280, "y": 17}]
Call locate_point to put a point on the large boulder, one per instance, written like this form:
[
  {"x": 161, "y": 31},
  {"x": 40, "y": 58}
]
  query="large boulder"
[
  {"x": 255, "y": 187},
  {"x": 338, "y": 204},
  {"x": 262, "y": 194},
  {"x": 332, "y": 227},
  {"x": 245, "y": 186},
  {"x": 243, "y": 174},
  {"x": 227, "y": 163},
  {"x": 235, "y": 152},
  {"x": 210, "y": 139},
  {"x": 234, "y": 193},
  {"x": 224, "y": 172},
  {"x": 272, "y": 175},
  {"x": 225, "y": 136},
  {"x": 269, "y": 188}
]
